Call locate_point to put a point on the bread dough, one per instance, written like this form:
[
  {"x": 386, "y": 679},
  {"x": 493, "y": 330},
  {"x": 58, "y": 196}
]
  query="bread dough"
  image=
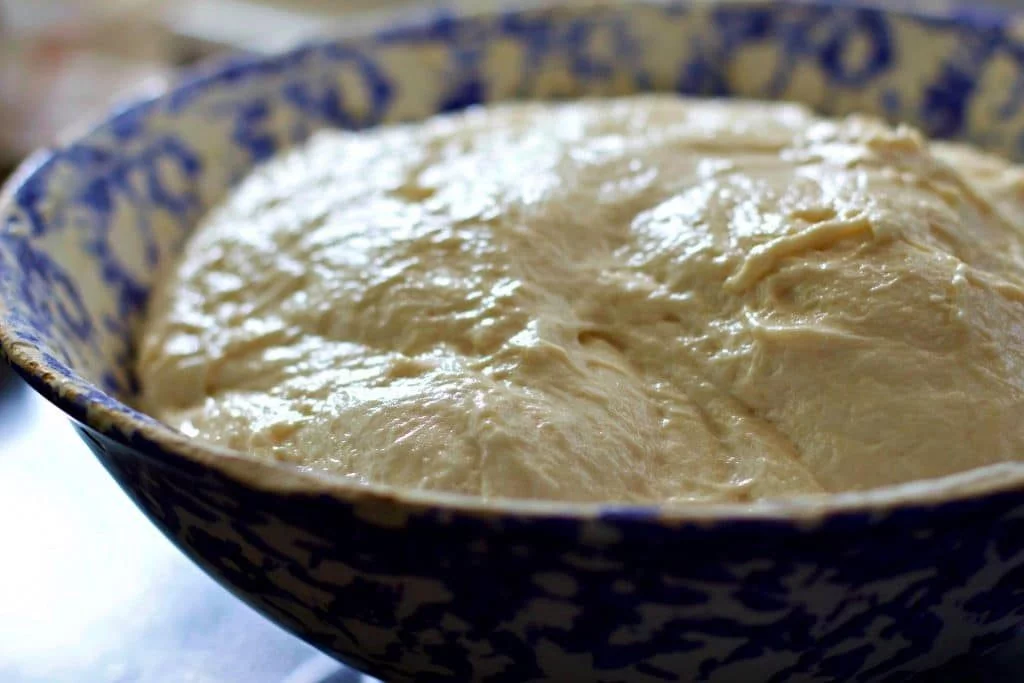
[{"x": 639, "y": 299}]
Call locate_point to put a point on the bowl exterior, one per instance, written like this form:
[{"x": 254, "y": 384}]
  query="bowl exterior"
[
  {"x": 432, "y": 596},
  {"x": 440, "y": 593}
]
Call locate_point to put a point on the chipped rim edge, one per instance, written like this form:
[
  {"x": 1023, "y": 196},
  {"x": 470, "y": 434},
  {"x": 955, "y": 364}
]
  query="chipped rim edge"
[{"x": 156, "y": 441}]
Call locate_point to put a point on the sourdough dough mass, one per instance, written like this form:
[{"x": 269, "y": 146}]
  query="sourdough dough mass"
[{"x": 642, "y": 299}]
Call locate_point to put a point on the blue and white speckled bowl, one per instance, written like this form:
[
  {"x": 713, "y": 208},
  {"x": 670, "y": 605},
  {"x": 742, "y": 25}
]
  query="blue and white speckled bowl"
[{"x": 433, "y": 587}]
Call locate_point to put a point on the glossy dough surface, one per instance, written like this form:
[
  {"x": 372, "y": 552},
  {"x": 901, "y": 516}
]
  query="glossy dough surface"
[{"x": 643, "y": 299}]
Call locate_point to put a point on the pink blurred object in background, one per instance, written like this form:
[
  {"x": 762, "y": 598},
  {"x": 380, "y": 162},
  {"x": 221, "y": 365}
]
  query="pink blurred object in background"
[{"x": 63, "y": 61}]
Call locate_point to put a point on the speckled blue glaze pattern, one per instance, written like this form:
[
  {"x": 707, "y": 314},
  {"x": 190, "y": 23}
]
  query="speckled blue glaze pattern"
[
  {"x": 426, "y": 591},
  {"x": 452, "y": 597}
]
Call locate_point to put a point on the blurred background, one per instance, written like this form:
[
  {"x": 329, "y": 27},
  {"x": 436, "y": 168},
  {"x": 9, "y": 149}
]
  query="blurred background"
[{"x": 63, "y": 61}]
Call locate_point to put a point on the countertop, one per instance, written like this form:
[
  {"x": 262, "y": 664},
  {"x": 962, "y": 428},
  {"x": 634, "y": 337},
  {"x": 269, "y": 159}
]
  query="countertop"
[{"x": 90, "y": 592}]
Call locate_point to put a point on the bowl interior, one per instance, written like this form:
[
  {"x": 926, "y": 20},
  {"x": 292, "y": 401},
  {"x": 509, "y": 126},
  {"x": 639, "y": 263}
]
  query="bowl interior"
[{"x": 85, "y": 229}]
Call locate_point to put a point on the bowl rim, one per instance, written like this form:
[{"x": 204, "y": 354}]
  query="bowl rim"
[{"x": 145, "y": 437}]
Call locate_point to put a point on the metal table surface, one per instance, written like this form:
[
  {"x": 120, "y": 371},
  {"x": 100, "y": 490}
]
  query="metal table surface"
[{"x": 91, "y": 592}]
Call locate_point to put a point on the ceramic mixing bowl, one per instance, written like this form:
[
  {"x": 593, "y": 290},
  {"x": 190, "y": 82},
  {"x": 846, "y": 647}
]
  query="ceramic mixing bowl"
[{"x": 432, "y": 587}]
